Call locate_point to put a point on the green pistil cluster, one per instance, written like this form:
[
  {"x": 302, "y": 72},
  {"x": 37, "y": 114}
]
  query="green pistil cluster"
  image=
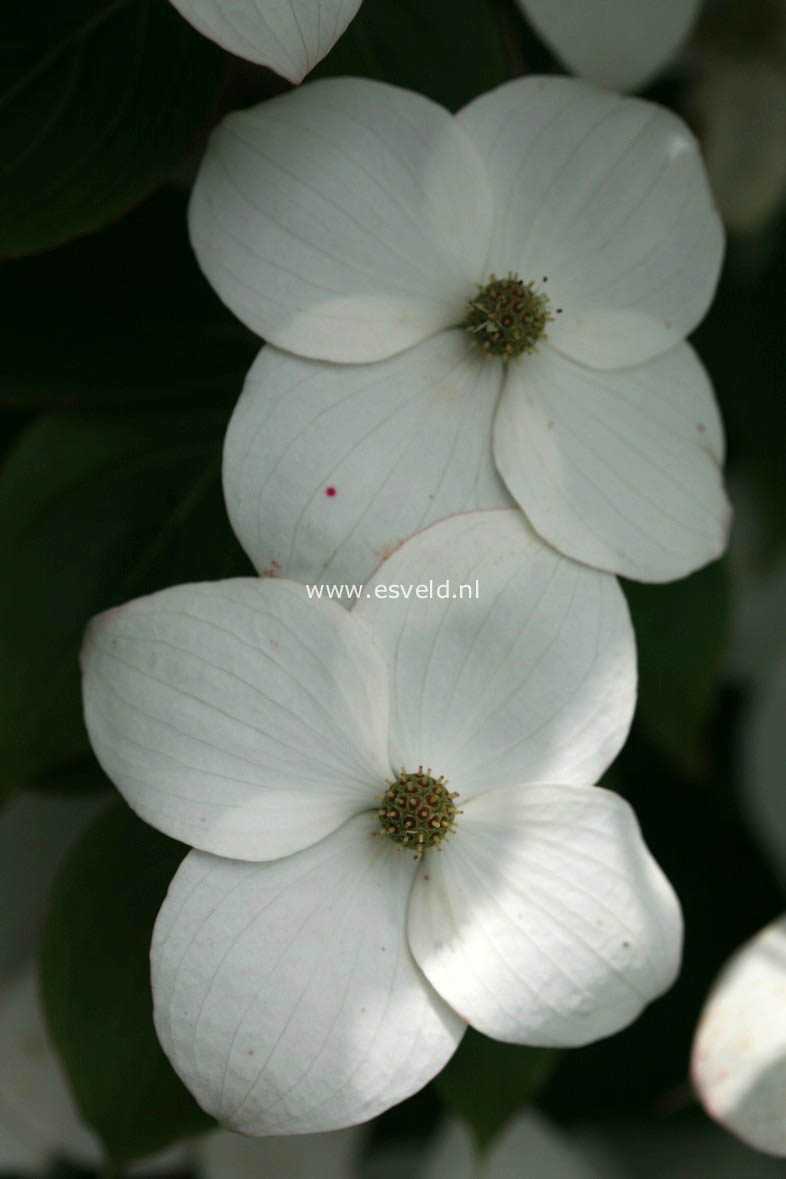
[
  {"x": 417, "y": 811},
  {"x": 507, "y": 317}
]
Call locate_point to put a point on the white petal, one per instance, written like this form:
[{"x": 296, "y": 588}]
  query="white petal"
[
  {"x": 327, "y": 468},
  {"x": 607, "y": 197},
  {"x": 739, "y": 1054},
  {"x": 532, "y": 681},
  {"x": 619, "y": 469},
  {"x": 544, "y": 919},
  {"x": 285, "y": 994},
  {"x": 38, "y": 1119},
  {"x": 288, "y": 36},
  {"x": 345, "y": 221},
  {"x": 223, "y": 1155},
  {"x": 617, "y": 43},
  {"x": 237, "y": 716}
]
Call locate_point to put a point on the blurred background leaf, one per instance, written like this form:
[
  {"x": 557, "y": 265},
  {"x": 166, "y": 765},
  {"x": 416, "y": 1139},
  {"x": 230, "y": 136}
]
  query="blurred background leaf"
[
  {"x": 96, "y": 508},
  {"x": 513, "y": 1076},
  {"x": 681, "y": 634},
  {"x": 99, "y": 101},
  {"x": 123, "y": 315},
  {"x": 96, "y": 987}
]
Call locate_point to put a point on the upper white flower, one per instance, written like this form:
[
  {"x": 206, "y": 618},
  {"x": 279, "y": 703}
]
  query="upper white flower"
[
  {"x": 739, "y": 1053},
  {"x": 619, "y": 43},
  {"x": 353, "y": 222},
  {"x": 306, "y": 973}
]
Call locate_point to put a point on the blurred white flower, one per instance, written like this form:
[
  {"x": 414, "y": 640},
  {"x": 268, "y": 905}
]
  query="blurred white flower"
[
  {"x": 38, "y": 1118},
  {"x": 223, "y": 1155},
  {"x": 363, "y": 225},
  {"x": 306, "y": 974},
  {"x": 39, "y": 1121},
  {"x": 739, "y": 1053},
  {"x": 737, "y": 101},
  {"x": 529, "y": 1146},
  {"x": 617, "y": 43},
  {"x": 682, "y": 1144},
  {"x": 740, "y": 108}
]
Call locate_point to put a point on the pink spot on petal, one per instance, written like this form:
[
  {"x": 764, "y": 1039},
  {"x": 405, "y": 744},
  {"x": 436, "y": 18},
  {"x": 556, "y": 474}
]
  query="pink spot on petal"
[
  {"x": 701, "y": 427},
  {"x": 330, "y": 491}
]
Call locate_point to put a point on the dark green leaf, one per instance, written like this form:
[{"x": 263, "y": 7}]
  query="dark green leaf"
[
  {"x": 123, "y": 315},
  {"x": 681, "y": 631},
  {"x": 450, "y": 50},
  {"x": 96, "y": 508},
  {"x": 96, "y": 987},
  {"x": 487, "y": 1082},
  {"x": 99, "y": 100}
]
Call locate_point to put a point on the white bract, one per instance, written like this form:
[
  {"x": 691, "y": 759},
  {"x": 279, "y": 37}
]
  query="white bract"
[
  {"x": 354, "y": 223},
  {"x": 288, "y": 36},
  {"x": 308, "y": 969},
  {"x": 739, "y": 1054},
  {"x": 617, "y": 43}
]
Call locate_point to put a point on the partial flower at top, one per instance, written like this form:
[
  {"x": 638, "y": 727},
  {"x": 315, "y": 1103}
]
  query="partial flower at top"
[
  {"x": 395, "y": 829},
  {"x": 617, "y": 43},
  {"x": 288, "y": 36},
  {"x": 739, "y": 1053},
  {"x": 505, "y": 291}
]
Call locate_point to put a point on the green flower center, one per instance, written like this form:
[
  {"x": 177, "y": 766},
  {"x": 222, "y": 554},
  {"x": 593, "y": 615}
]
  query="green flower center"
[
  {"x": 507, "y": 317},
  {"x": 417, "y": 811}
]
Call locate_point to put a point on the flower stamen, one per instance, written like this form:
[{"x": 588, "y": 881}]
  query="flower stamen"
[
  {"x": 507, "y": 317},
  {"x": 417, "y": 811}
]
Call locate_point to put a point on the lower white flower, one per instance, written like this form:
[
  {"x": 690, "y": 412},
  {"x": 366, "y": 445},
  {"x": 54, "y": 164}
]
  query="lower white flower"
[
  {"x": 395, "y": 830},
  {"x": 739, "y": 1053}
]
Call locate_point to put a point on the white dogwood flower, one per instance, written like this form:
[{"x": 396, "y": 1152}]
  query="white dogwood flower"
[
  {"x": 306, "y": 973},
  {"x": 618, "y": 43},
  {"x": 505, "y": 291},
  {"x": 739, "y": 1053}
]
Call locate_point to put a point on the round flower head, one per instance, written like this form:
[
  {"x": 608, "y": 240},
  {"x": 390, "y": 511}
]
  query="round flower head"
[
  {"x": 318, "y": 956},
  {"x": 739, "y": 1053},
  {"x": 501, "y": 293}
]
